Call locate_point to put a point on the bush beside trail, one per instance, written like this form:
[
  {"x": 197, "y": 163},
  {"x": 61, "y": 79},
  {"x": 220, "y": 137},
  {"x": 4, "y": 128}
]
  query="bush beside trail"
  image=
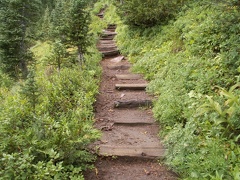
[{"x": 192, "y": 63}]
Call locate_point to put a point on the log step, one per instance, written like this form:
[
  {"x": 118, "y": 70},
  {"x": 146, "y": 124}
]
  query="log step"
[
  {"x": 131, "y": 86},
  {"x": 130, "y": 151},
  {"x": 107, "y": 33},
  {"x": 128, "y": 76},
  {"x": 107, "y": 37},
  {"x": 110, "y": 53},
  {"x": 107, "y": 46},
  {"x": 111, "y": 26},
  {"x": 100, "y": 15},
  {"x": 132, "y": 103},
  {"x": 133, "y": 123},
  {"x": 118, "y": 67},
  {"x": 106, "y": 42},
  {"x": 107, "y": 49}
]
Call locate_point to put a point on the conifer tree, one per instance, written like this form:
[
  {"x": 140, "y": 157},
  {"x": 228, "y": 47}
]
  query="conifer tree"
[
  {"x": 60, "y": 20},
  {"x": 30, "y": 89},
  {"x": 78, "y": 28},
  {"x": 46, "y": 24},
  {"x": 16, "y": 19}
]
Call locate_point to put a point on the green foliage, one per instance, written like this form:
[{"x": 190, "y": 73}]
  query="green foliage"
[
  {"x": 59, "y": 52},
  {"x": 17, "y": 19},
  {"x": 185, "y": 60},
  {"x": 110, "y": 15},
  {"x": 56, "y": 133},
  {"x": 46, "y": 25},
  {"x": 30, "y": 90},
  {"x": 225, "y": 115},
  {"x": 78, "y": 27},
  {"x": 147, "y": 12},
  {"x": 5, "y": 80},
  {"x": 47, "y": 120},
  {"x": 60, "y": 20}
]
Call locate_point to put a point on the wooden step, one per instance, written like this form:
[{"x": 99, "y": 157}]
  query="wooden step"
[
  {"x": 106, "y": 42},
  {"x": 110, "y": 37},
  {"x": 133, "y": 123},
  {"x": 107, "y": 33},
  {"x": 128, "y": 76},
  {"x": 132, "y": 103},
  {"x": 118, "y": 67},
  {"x": 100, "y": 15},
  {"x": 111, "y": 27},
  {"x": 107, "y": 46},
  {"x": 107, "y": 49},
  {"x": 131, "y": 86},
  {"x": 144, "y": 152},
  {"x": 110, "y": 53}
]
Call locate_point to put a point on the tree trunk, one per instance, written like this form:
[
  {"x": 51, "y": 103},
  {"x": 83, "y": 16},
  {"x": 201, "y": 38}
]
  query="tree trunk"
[
  {"x": 22, "y": 63},
  {"x": 80, "y": 56}
]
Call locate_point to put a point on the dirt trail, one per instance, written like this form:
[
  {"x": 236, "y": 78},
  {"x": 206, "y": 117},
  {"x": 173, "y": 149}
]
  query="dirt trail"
[{"x": 129, "y": 148}]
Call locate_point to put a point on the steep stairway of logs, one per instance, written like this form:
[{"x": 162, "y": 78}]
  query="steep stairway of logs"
[{"x": 123, "y": 114}]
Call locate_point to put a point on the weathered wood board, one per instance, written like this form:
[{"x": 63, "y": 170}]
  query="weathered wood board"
[
  {"x": 128, "y": 76},
  {"x": 132, "y": 103},
  {"x": 146, "y": 152},
  {"x": 110, "y": 53},
  {"x": 131, "y": 86},
  {"x": 118, "y": 67},
  {"x": 105, "y": 32}
]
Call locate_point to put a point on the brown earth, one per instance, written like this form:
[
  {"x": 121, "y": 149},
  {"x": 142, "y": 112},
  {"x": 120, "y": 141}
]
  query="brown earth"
[{"x": 130, "y": 148}]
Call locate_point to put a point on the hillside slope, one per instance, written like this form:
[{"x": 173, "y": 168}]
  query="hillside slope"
[{"x": 192, "y": 62}]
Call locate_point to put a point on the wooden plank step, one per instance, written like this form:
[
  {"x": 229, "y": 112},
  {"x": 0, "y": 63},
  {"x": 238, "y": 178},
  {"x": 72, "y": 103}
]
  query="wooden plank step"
[
  {"x": 107, "y": 33},
  {"x": 128, "y": 76},
  {"x": 132, "y": 103},
  {"x": 112, "y": 26},
  {"x": 112, "y": 29},
  {"x": 144, "y": 152},
  {"x": 131, "y": 86},
  {"x": 107, "y": 38},
  {"x": 107, "y": 49},
  {"x": 110, "y": 53},
  {"x": 133, "y": 123},
  {"x": 118, "y": 67},
  {"x": 106, "y": 42},
  {"x": 107, "y": 45}
]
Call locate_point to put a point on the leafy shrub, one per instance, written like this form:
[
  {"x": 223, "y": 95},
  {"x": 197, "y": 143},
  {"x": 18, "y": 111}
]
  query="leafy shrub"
[
  {"x": 147, "y": 13},
  {"x": 5, "y": 81},
  {"x": 47, "y": 136},
  {"x": 60, "y": 125},
  {"x": 186, "y": 60}
]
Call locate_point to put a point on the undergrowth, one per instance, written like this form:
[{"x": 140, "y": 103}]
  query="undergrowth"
[
  {"x": 192, "y": 63},
  {"x": 47, "y": 120}
]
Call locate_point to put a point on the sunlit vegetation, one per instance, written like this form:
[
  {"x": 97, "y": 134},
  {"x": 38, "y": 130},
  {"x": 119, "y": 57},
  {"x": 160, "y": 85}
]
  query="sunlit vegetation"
[
  {"x": 46, "y": 106},
  {"x": 49, "y": 75},
  {"x": 192, "y": 61}
]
